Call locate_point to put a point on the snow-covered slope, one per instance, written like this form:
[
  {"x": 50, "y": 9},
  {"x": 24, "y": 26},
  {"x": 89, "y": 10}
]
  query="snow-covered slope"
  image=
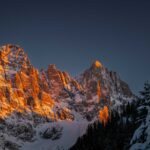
[
  {"x": 71, "y": 130},
  {"x": 141, "y": 137}
]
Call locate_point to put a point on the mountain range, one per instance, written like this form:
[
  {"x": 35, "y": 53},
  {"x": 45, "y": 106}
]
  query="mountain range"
[{"x": 49, "y": 109}]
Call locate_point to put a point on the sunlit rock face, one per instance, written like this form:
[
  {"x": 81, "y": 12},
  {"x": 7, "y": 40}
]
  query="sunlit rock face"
[
  {"x": 58, "y": 81},
  {"x": 13, "y": 58},
  {"x": 104, "y": 115},
  {"x": 97, "y": 64},
  {"x": 22, "y": 87}
]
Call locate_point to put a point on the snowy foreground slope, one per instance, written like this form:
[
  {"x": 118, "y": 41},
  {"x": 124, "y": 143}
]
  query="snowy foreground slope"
[
  {"x": 71, "y": 130},
  {"x": 49, "y": 109},
  {"x": 23, "y": 134},
  {"x": 141, "y": 137}
]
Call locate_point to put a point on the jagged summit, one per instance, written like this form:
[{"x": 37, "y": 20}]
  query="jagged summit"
[
  {"x": 52, "y": 66},
  {"x": 11, "y": 45},
  {"x": 13, "y": 58},
  {"x": 97, "y": 64}
]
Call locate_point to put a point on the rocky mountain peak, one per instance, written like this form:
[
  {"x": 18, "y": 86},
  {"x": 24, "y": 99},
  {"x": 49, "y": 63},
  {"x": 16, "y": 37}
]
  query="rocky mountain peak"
[
  {"x": 97, "y": 64},
  {"x": 13, "y": 58},
  {"x": 52, "y": 66}
]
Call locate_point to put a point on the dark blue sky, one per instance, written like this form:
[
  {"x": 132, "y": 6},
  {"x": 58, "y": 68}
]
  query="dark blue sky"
[{"x": 72, "y": 34}]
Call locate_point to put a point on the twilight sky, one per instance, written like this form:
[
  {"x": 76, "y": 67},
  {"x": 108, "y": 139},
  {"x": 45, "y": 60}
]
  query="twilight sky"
[{"x": 74, "y": 33}]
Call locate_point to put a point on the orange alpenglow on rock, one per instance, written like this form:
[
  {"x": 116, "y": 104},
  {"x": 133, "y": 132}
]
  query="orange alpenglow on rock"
[
  {"x": 98, "y": 91},
  {"x": 24, "y": 89},
  {"x": 104, "y": 115},
  {"x": 97, "y": 64}
]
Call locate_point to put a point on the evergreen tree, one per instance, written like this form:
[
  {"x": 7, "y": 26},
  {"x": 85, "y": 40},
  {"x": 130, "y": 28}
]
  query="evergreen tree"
[
  {"x": 144, "y": 101},
  {"x": 145, "y": 94},
  {"x": 115, "y": 135},
  {"x": 118, "y": 131}
]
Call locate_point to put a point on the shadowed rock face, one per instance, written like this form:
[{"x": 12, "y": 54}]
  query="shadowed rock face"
[{"x": 98, "y": 81}]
